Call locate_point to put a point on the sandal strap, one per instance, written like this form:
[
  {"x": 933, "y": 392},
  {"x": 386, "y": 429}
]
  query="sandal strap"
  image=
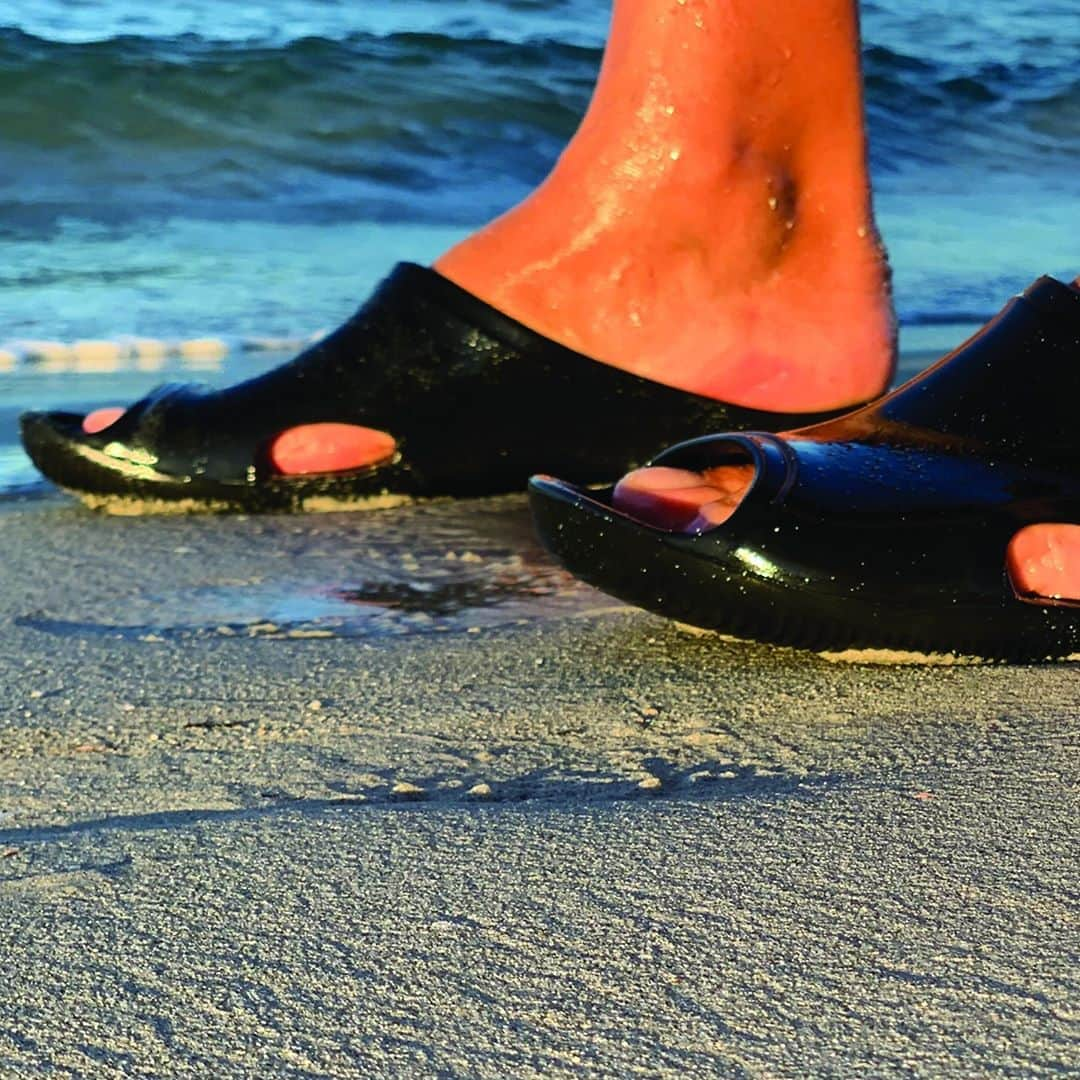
[
  {"x": 1011, "y": 391},
  {"x": 475, "y": 400}
]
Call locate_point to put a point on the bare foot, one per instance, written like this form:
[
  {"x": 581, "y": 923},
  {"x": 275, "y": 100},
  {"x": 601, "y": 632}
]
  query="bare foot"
[{"x": 708, "y": 227}]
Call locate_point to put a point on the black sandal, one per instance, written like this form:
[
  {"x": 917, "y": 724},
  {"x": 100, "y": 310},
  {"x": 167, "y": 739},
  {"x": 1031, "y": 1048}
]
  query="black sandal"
[
  {"x": 476, "y": 401},
  {"x": 887, "y": 528}
]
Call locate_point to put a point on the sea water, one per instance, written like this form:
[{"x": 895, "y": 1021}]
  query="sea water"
[{"x": 251, "y": 169}]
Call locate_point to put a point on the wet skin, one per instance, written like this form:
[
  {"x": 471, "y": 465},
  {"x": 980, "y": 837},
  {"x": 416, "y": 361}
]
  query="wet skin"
[{"x": 708, "y": 227}]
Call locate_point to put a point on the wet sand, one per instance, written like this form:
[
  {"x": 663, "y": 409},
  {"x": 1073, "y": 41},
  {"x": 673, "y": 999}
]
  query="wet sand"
[{"x": 387, "y": 794}]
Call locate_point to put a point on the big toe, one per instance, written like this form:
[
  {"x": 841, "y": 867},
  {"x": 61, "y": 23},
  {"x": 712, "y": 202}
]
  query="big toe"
[{"x": 680, "y": 500}]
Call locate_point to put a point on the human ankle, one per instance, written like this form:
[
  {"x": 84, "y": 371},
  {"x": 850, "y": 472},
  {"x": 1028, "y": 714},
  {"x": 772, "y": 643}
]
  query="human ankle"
[{"x": 710, "y": 224}]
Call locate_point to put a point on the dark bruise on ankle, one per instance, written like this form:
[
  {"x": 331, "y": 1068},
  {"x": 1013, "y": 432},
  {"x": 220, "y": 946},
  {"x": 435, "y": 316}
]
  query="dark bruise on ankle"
[{"x": 783, "y": 199}]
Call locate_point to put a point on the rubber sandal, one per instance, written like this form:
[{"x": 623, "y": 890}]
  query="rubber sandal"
[
  {"x": 888, "y": 528},
  {"x": 475, "y": 402}
]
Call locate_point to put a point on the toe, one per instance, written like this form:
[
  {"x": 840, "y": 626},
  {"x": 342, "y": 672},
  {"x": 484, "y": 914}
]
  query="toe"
[
  {"x": 1044, "y": 563},
  {"x": 328, "y": 448},
  {"x": 681, "y": 500},
  {"x": 100, "y": 419}
]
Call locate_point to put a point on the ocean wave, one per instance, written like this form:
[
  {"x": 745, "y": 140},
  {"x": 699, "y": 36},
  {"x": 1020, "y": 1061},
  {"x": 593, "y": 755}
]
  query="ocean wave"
[
  {"x": 316, "y": 126},
  {"x": 971, "y": 111},
  {"x": 278, "y": 22},
  {"x": 190, "y": 91},
  {"x": 365, "y": 123}
]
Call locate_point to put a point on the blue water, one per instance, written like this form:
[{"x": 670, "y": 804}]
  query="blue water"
[{"x": 252, "y": 168}]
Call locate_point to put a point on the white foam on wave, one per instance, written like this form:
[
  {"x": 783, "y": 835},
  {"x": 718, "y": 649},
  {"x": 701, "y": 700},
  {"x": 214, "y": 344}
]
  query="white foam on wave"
[{"x": 141, "y": 353}]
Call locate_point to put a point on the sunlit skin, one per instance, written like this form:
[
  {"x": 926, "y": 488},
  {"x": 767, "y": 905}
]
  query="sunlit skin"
[
  {"x": 709, "y": 225},
  {"x": 333, "y": 446},
  {"x": 101, "y": 419},
  {"x": 1044, "y": 562}
]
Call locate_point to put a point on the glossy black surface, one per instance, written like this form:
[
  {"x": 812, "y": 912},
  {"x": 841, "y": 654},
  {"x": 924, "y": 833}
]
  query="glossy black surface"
[
  {"x": 477, "y": 403},
  {"x": 887, "y": 527}
]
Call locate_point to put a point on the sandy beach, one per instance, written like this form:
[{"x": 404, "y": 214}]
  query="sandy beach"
[{"x": 386, "y": 794}]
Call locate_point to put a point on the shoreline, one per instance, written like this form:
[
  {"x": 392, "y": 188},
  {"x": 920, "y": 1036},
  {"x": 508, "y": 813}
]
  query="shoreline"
[{"x": 102, "y": 374}]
